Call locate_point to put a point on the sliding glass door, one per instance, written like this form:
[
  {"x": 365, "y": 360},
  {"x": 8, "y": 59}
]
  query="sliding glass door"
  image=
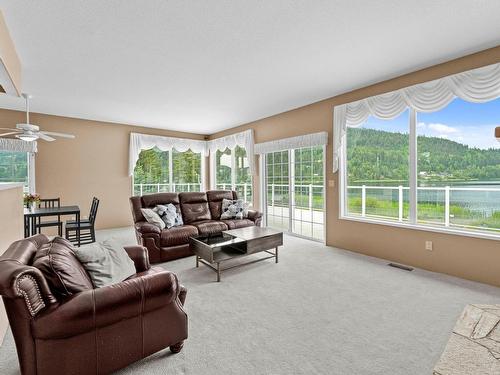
[{"x": 295, "y": 191}]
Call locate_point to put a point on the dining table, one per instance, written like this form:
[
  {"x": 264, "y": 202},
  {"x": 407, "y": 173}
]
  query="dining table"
[{"x": 31, "y": 215}]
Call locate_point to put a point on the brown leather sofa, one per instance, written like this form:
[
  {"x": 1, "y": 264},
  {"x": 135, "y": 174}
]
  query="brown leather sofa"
[
  {"x": 95, "y": 331},
  {"x": 201, "y": 214}
]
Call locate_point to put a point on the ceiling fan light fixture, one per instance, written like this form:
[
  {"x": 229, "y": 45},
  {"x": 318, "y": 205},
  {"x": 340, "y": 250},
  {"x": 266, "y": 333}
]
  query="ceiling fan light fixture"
[{"x": 27, "y": 137}]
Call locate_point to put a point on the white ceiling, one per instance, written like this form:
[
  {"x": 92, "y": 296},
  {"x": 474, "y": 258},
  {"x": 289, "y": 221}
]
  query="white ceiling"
[{"x": 203, "y": 66}]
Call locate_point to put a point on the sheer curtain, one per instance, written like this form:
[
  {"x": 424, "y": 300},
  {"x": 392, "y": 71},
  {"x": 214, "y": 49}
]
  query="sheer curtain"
[{"x": 478, "y": 85}]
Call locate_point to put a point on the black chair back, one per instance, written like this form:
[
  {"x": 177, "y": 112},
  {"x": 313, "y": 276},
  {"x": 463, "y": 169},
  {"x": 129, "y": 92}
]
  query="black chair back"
[
  {"x": 93, "y": 210},
  {"x": 49, "y": 203}
]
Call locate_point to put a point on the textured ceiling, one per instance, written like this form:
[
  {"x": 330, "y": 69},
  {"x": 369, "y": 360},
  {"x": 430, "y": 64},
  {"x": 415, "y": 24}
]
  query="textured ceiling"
[{"x": 203, "y": 66}]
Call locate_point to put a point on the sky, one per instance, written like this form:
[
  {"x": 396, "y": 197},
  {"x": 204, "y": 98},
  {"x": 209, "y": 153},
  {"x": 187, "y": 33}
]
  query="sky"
[{"x": 467, "y": 123}]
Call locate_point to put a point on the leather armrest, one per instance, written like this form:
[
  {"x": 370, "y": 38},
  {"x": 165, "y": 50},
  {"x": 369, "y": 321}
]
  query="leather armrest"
[
  {"x": 254, "y": 215},
  {"x": 144, "y": 227},
  {"x": 101, "y": 307},
  {"x": 25, "y": 282},
  {"x": 139, "y": 255}
]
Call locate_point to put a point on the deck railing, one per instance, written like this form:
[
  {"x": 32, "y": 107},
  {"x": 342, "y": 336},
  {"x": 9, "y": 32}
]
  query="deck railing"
[
  {"x": 445, "y": 194},
  {"x": 142, "y": 189}
]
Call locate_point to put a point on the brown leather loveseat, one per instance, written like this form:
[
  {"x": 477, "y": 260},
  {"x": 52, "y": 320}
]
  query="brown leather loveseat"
[
  {"x": 201, "y": 214},
  {"x": 95, "y": 331}
]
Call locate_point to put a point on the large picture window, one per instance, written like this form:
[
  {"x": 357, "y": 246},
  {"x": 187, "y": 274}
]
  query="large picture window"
[
  {"x": 438, "y": 169},
  {"x": 14, "y": 167},
  {"x": 232, "y": 172},
  {"x": 167, "y": 171}
]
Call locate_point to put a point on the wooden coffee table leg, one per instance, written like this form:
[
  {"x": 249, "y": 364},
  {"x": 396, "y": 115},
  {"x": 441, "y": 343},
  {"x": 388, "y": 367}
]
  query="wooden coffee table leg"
[
  {"x": 218, "y": 272},
  {"x": 276, "y": 254},
  {"x": 197, "y": 261}
]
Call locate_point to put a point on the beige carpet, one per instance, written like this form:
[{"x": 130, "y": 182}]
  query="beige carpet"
[{"x": 319, "y": 311}]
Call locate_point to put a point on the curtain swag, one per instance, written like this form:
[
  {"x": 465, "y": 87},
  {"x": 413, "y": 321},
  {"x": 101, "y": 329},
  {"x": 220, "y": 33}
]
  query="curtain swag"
[
  {"x": 308, "y": 140},
  {"x": 139, "y": 142},
  {"x": 17, "y": 145},
  {"x": 477, "y": 86},
  {"x": 243, "y": 139}
]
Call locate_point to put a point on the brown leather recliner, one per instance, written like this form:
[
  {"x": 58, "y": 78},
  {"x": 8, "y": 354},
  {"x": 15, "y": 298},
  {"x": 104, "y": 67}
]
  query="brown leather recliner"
[
  {"x": 95, "y": 331},
  {"x": 200, "y": 212}
]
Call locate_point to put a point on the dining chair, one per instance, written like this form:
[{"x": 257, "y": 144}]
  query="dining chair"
[
  {"x": 87, "y": 228},
  {"x": 49, "y": 203}
]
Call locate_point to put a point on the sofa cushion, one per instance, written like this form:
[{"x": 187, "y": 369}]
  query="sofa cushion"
[
  {"x": 177, "y": 235},
  {"x": 238, "y": 223},
  {"x": 61, "y": 268},
  {"x": 152, "y": 217},
  {"x": 215, "y": 198},
  {"x": 194, "y": 207},
  {"x": 234, "y": 209},
  {"x": 210, "y": 226},
  {"x": 106, "y": 262}
]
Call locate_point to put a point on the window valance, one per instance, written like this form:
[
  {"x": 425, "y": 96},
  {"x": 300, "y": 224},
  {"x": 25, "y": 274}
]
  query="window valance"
[
  {"x": 139, "y": 142},
  {"x": 17, "y": 145},
  {"x": 478, "y": 85},
  {"x": 308, "y": 140},
  {"x": 243, "y": 139}
]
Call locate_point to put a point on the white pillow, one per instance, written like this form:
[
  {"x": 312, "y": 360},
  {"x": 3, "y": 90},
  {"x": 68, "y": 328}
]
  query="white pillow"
[
  {"x": 234, "y": 209},
  {"x": 106, "y": 262},
  {"x": 153, "y": 217},
  {"x": 169, "y": 215}
]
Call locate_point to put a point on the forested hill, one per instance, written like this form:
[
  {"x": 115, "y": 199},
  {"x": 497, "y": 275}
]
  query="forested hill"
[{"x": 380, "y": 155}]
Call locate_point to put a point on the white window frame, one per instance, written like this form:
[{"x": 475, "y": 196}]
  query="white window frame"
[
  {"x": 171, "y": 175},
  {"x": 412, "y": 222},
  {"x": 213, "y": 172},
  {"x": 291, "y": 189}
]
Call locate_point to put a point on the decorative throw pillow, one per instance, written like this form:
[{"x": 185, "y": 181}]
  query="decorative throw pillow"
[
  {"x": 169, "y": 215},
  {"x": 234, "y": 209},
  {"x": 106, "y": 262},
  {"x": 152, "y": 217},
  {"x": 62, "y": 270}
]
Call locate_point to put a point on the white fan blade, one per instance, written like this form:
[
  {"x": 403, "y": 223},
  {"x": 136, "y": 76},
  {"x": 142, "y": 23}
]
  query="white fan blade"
[
  {"x": 63, "y": 135},
  {"x": 6, "y": 134},
  {"x": 45, "y": 137},
  {"x": 11, "y": 129}
]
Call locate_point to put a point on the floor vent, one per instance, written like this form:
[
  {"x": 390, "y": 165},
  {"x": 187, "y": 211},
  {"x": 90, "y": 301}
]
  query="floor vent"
[{"x": 400, "y": 266}]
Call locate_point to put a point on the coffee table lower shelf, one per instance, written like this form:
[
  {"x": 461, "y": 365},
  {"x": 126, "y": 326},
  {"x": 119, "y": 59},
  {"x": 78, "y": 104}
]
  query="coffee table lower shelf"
[{"x": 216, "y": 265}]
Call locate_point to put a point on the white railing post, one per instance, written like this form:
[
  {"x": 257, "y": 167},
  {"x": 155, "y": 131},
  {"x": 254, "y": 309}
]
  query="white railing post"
[
  {"x": 140, "y": 188},
  {"x": 158, "y": 188},
  {"x": 447, "y": 206},
  {"x": 272, "y": 197},
  {"x": 363, "y": 200},
  {"x": 311, "y": 200},
  {"x": 400, "y": 205}
]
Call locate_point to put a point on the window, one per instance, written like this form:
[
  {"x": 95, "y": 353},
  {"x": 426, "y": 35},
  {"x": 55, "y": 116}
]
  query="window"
[
  {"x": 295, "y": 191},
  {"x": 232, "y": 172},
  {"x": 378, "y": 169},
  {"x": 14, "y": 167},
  {"x": 167, "y": 171},
  {"x": 455, "y": 163}
]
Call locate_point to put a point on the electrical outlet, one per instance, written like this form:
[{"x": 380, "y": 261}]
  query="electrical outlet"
[
  {"x": 428, "y": 245},
  {"x": 331, "y": 183}
]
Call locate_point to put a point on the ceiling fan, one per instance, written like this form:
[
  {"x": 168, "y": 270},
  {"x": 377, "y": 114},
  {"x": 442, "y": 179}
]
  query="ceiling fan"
[{"x": 29, "y": 132}]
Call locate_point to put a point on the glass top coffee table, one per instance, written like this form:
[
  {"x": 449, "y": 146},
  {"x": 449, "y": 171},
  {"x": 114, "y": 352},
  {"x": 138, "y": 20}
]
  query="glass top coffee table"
[{"x": 212, "y": 250}]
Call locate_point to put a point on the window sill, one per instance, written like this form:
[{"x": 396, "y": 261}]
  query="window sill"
[{"x": 424, "y": 227}]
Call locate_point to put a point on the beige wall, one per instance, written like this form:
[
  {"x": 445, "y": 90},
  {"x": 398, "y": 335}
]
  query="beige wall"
[
  {"x": 11, "y": 229},
  {"x": 95, "y": 163},
  {"x": 471, "y": 258}
]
